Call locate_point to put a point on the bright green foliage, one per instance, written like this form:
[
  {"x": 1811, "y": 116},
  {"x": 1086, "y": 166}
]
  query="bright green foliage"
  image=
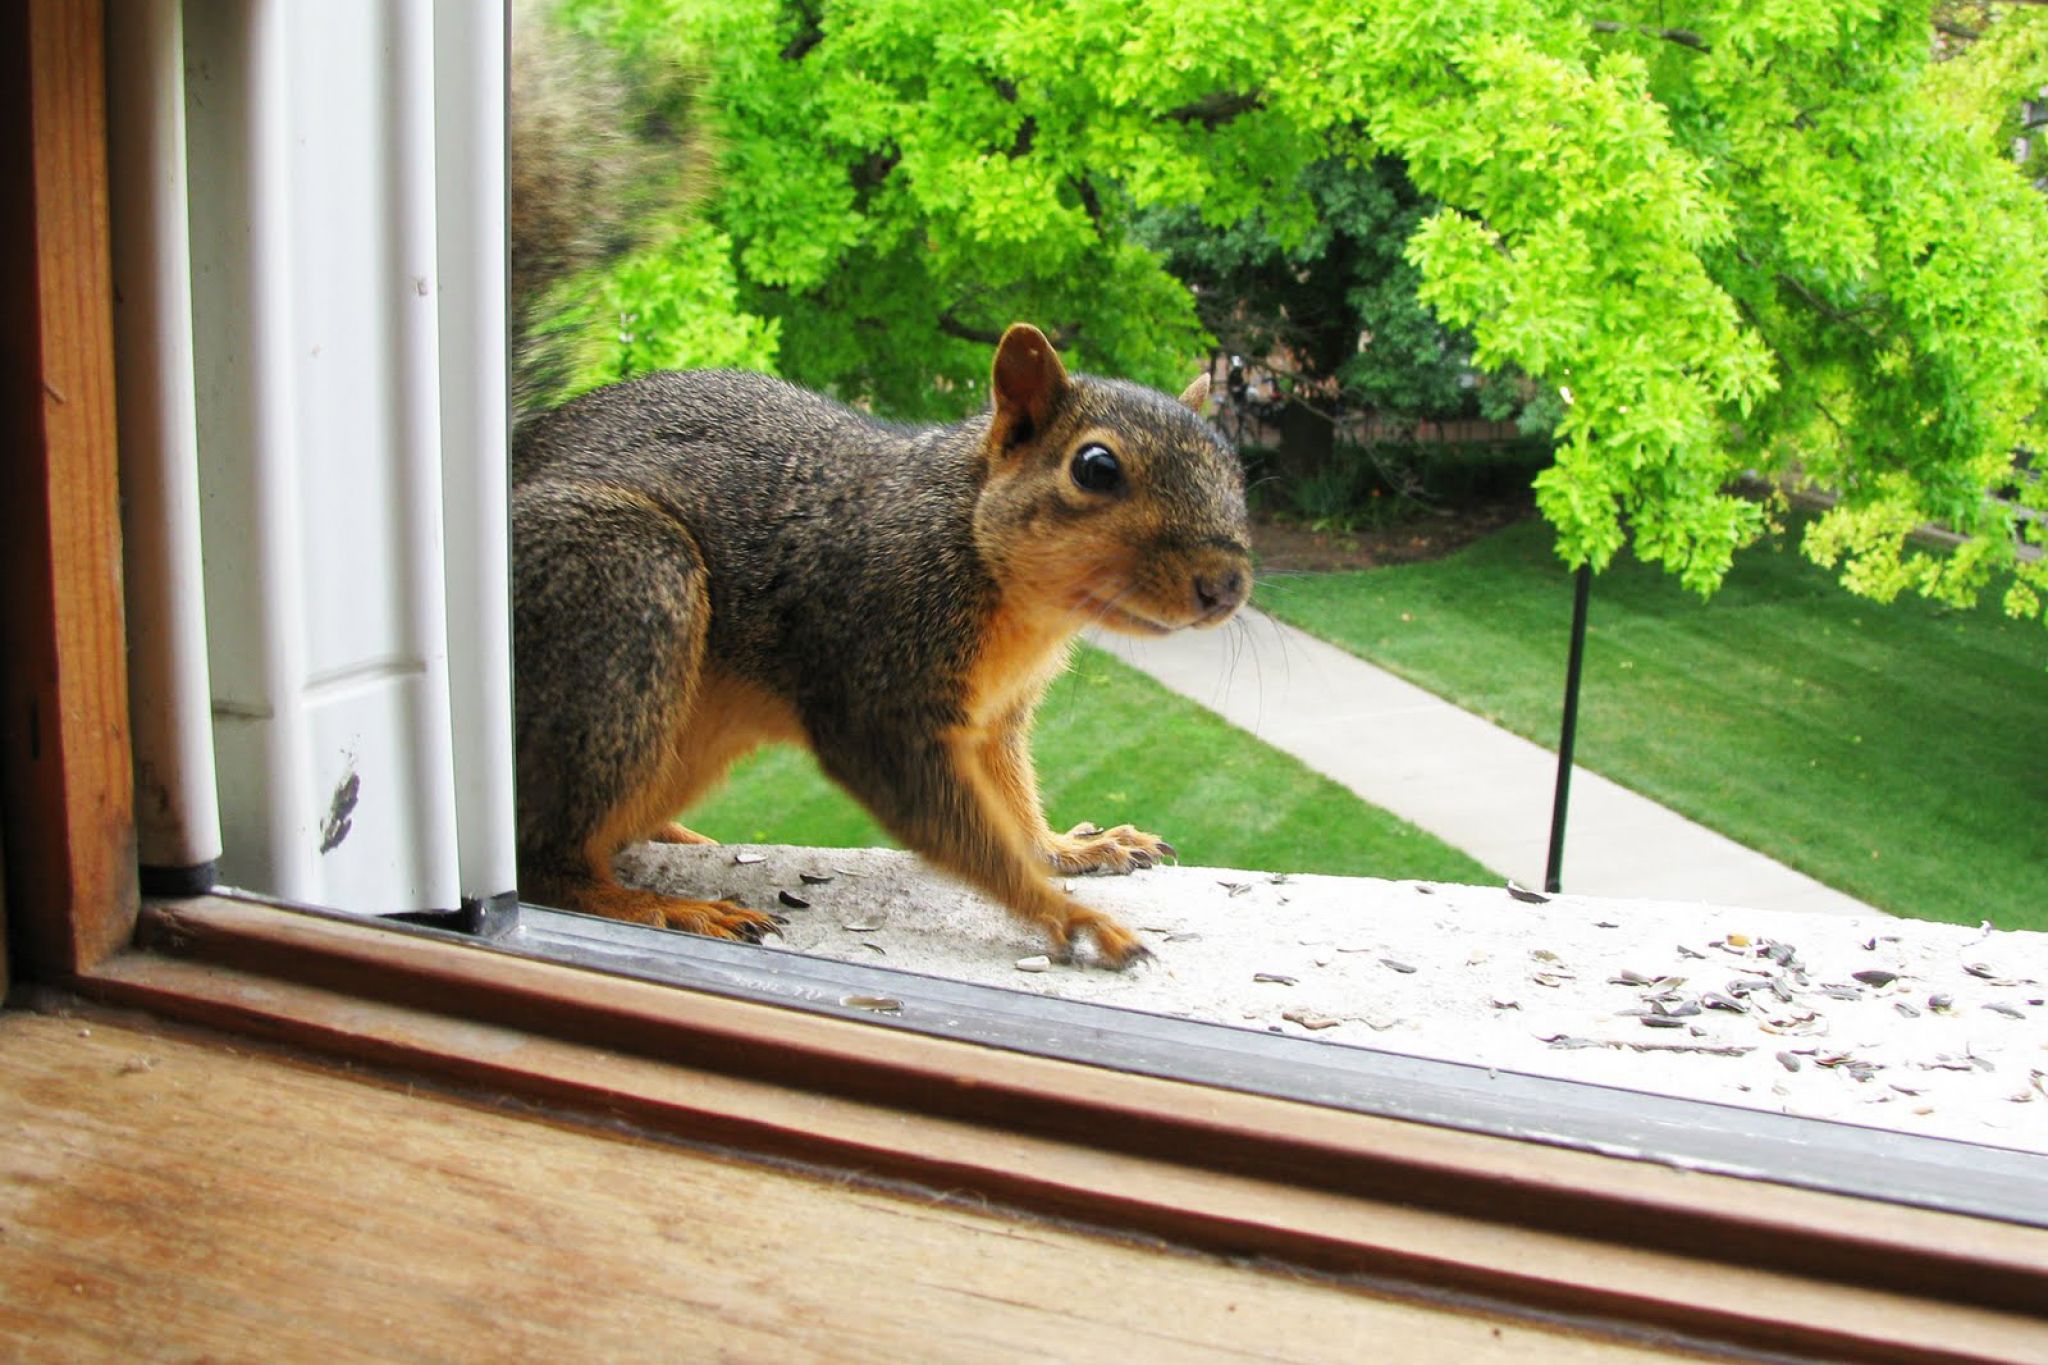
[
  {"x": 1768, "y": 235},
  {"x": 2007, "y": 53},
  {"x": 902, "y": 178},
  {"x": 1575, "y": 247},
  {"x": 669, "y": 306}
]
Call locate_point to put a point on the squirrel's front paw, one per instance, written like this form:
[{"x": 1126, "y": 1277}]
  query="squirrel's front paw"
[{"x": 1085, "y": 848}]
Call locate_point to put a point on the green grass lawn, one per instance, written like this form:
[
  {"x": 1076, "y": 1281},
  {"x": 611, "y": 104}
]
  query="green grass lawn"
[
  {"x": 1898, "y": 753},
  {"x": 1115, "y": 747}
]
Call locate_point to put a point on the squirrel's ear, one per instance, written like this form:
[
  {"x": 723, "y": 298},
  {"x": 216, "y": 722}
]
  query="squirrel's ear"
[
  {"x": 1029, "y": 383},
  {"x": 1196, "y": 395}
]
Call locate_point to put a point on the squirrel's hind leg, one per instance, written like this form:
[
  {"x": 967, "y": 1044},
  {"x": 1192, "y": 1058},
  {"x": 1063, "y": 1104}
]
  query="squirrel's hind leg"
[{"x": 609, "y": 619}]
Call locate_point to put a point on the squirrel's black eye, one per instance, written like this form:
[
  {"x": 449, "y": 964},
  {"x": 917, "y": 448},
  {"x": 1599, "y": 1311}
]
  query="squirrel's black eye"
[{"x": 1096, "y": 470}]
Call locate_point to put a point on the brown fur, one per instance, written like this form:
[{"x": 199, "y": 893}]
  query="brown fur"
[{"x": 707, "y": 562}]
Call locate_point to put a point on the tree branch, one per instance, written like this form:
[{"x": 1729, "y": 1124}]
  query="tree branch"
[
  {"x": 1213, "y": 111},
  {"x": 1060, "y": 337},
  {"x": 1828, "y": 310},
  {"x": 810, "y": 31},
  {"x": 1027, "y": 133},
  {"x": 1091, "y": 202},
  {"x": 873, "y": 171},
  {"x": 1684, "y": 37}
]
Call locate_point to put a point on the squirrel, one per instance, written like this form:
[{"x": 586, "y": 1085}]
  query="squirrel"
[{"x": 704, "y": 561}]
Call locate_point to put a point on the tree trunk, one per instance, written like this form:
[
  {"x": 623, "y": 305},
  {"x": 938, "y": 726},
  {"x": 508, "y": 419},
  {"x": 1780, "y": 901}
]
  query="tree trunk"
[{"x": 1307, "y": 441}]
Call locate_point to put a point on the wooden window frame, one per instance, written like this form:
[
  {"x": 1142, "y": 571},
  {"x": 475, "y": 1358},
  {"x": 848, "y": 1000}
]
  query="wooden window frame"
[{"x": 1629, "y": 1247}]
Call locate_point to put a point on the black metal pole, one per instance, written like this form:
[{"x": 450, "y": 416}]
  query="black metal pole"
[{"x": 1555, "y": 870}]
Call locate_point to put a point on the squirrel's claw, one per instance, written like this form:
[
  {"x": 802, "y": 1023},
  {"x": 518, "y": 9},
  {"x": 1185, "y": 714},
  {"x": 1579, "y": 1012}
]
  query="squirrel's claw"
[
  {"x": 722, "y": 919},
  {"x": 1116, "y": 947},
  {"x": 1138, "y": 954}
]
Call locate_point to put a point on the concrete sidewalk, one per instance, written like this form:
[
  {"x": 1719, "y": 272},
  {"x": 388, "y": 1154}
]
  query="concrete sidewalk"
[{"x": 1469, "y": 782}]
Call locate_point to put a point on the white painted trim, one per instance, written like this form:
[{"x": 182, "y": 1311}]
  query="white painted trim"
[
  {"x": 243, "y": 316},
  {"x": 176, "y": 813},
  {"x": 357, "y": 618},
  {"x": 469, "y": 88}
]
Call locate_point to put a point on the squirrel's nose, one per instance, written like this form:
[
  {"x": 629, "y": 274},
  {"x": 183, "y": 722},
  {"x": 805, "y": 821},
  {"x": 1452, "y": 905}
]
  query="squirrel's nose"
[{"x": 1220, "y": 593}]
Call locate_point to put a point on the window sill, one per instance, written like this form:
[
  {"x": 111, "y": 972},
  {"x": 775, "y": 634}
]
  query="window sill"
[
  {"x": 1805, "y": 1016},
  {"x": 1536, "y": 1228}
]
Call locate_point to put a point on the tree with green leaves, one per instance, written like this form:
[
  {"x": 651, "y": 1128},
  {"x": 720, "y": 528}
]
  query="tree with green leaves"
[
  {"x": 1334, "y": 309},
  {"x": 1775, "y": 236}
]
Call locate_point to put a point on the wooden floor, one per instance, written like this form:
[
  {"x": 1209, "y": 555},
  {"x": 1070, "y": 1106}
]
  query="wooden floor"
[{"x": 173, "y": 1197}]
